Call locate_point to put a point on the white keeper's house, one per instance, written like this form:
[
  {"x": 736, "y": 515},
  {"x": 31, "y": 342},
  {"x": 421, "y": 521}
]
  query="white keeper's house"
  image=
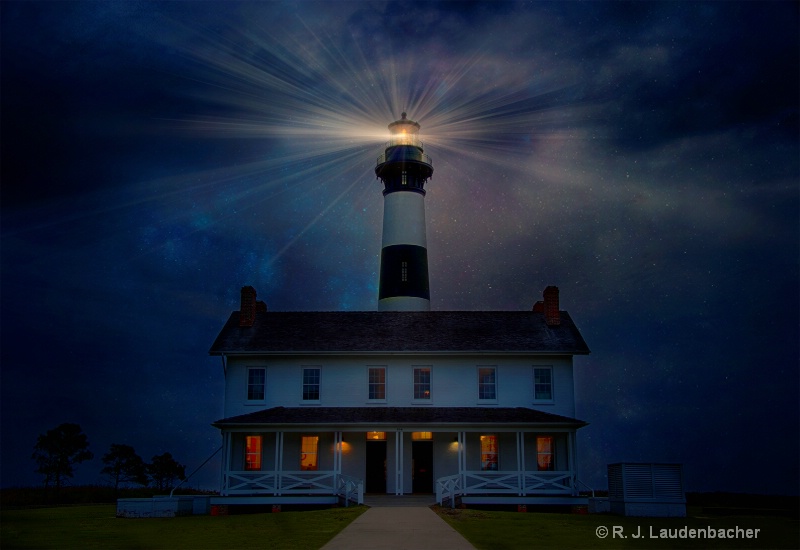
[{"x": 470, "y": 405}]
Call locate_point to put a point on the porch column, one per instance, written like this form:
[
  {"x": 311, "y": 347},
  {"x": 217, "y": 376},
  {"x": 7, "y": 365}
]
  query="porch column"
[
  {"x": 278, "y": 462},
  {"x": 521, "y": 461},
  {"x": 337, "y": 459},
  {"x": 571, "y": 461},
  {"x": 398, "y": 461},
  {"x": 226, "y": 462},
  {"x": 462, "y": 459}
]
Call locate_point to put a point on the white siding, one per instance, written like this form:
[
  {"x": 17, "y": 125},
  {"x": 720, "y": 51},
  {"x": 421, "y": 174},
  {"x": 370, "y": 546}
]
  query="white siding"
[{"x": 454, "y": 382}]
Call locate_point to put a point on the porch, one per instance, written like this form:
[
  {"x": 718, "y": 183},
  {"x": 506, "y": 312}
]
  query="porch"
[{"x": 459, "y": 452}]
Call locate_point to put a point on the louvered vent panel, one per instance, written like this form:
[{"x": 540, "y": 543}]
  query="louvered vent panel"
[
  {"x": 638, "y": 481},
  {"x": 668, "y": 481},
  {"x": 615, "y": 481}
]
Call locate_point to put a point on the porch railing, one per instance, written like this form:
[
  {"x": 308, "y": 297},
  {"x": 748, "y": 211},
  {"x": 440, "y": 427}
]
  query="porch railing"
[
  {"x": 279, "y": 483},
  {"x": 447, "y": 489},
  {"x": 351, "y": 490},
  {"x": 505, "y": 482}
]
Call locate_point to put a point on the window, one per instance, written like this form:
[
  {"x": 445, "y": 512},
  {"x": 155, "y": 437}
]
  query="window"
[
  {"x": 311, "y": 384},
  {"x": 404, "y": 178},
  {"x": 543, "y": 383},
  {"x": 377, "y": 383},
  {"x": 308, "y": 452},
  {"x": 376, "y": 436},
  {"x": 404, "y": 271},
  {"x": 422, "y": 383},
  {"x": 487, "y": 386},
  {"x": 421, "y": 436},
  {"x": 252, "y": 452},
  {"x": 489, "y": 455},
  {"x": 544, "y": 454},
  {"x": 256, "y": 379}
]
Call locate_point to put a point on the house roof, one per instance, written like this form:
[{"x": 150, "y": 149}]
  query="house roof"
[
  {"x": 399, "y": 331},
  {"x": 398, "y": 416}
]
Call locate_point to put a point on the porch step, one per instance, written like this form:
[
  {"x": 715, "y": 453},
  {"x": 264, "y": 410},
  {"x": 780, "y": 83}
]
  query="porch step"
[
  {"x": 398, "y": 501},
  {"x": 529, "y": 501}
]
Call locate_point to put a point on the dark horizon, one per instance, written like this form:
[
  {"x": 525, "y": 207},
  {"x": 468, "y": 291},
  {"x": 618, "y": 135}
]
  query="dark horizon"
[{"x": 643, "y": 157}]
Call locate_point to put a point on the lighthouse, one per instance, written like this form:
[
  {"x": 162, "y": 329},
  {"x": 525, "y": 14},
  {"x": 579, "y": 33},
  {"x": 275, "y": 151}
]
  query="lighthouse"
[{"x": 404, "y": 168}]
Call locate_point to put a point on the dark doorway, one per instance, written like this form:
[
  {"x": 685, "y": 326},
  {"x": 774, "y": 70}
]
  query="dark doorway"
[
  {"x": 422, "y": 458},
  {"x": 376, "y": 467}
]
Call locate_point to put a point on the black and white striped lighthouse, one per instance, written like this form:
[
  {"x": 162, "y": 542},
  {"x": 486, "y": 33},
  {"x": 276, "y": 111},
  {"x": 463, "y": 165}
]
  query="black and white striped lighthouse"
[{"x": 404, "y": 168}]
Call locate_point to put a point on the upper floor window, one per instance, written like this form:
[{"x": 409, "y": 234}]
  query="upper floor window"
[
  {"x": 544, "y": 453},
  {"x": 308, "y": 452},
  {"x": 311, "y": 384},
  {"x": 543, "y": 383},
  {"x": 252, "y": 452},
  {"x": 487, "y": 383},
  {"x": 490, "y": 458},
  {"x": 256, "y": 383},
  {"x": 404, "y": 271},
  {"x": 376, "y": 384},
  {"x": 422, "y": 382}
]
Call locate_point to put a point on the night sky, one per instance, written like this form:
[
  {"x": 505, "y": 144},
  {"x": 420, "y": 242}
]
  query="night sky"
[{"x": 642, "y": 156}]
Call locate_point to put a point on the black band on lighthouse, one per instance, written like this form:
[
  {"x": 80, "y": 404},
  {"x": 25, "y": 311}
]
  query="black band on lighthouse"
[{"x": 404, "y": 272}]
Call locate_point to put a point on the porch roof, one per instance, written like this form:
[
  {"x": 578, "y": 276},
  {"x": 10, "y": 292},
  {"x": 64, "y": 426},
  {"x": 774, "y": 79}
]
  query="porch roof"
[
  {"x": 399, "y": 331},
  {"x": 398, "y": 416}
]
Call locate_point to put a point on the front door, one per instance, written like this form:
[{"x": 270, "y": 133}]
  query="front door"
[
  {"x": 376, "y": 467},
  {"x": 422, "y": 469}
]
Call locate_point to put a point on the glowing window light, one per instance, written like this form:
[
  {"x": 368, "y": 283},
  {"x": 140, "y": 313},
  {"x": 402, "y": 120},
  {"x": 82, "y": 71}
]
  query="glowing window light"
[
  {"x": 252, "y": 454},
  {"x": 489, "y": 454},
  {"x": 421, "y": 436},
  {"x": 308, "y": 450},
  {"x": 376, "y": 436},
  {"x": 544, "y": 454}
]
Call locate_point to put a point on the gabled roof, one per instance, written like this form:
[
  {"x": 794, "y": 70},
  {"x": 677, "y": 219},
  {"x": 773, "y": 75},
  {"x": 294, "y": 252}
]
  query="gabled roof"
[
  {"x": 397, "y": 416},
  {"x": 399, "y": 331}
]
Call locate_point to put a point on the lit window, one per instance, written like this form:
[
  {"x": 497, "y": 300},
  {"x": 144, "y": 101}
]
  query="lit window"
[
  {"x": 421, "y": 436},
  {"x": 489, "y": 455},
  {"x": 544, "y": 454},
  {"x": 255, "y": 384},
  {"x": 487, "y": 386},
  {"x": 422, "y": 383},
  {"x": 543, "y": 384},
  {"x": 404, "y": 179},
  {"x": 252, "y": 453},
  {"x": 308, "y": 450},
  {"x": 404, "y": 271},
  {"x": 376, "y": 436},
  {"x": 377, "y": 383},
  {"x": 311, "y": 384}
]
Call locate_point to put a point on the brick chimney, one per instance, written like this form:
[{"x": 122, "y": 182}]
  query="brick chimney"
[
  {"x": 247, "y": 312},
  {"x": 551, "y": 314}
]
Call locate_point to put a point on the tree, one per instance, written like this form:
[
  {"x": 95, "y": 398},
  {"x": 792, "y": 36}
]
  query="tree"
[
  {"x": 164, "y": 470},
  {"x": 58, "y": 450},
  {"x": 123, "y": 465}
]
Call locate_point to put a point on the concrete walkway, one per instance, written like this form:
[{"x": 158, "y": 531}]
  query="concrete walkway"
[{"x": 397, "y": 524}]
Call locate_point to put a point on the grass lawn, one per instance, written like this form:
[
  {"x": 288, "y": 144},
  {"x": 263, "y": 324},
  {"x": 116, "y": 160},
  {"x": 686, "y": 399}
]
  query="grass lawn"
[
  {"x": 97, "y": 527},
  {"x": 493, "y": 530}
]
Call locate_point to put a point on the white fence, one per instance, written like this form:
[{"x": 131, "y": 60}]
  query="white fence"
[
  {"x": 293, "y": 483},
  {"x": 351, "y": 490},
  {"x": 279, "y": 483},
  {"x": 508, "y": 482}
]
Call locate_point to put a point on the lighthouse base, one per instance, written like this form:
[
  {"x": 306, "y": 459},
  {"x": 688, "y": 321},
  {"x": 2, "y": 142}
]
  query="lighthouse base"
[{"x": 404, "y": 303}]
